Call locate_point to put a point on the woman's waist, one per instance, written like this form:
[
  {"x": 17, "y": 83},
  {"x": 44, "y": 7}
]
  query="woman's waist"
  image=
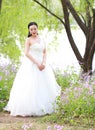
[{"x": 37, "y": 57}]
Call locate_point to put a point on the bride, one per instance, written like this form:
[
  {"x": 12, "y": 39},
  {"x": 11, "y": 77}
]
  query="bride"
[{"x": 34, "y": 89}]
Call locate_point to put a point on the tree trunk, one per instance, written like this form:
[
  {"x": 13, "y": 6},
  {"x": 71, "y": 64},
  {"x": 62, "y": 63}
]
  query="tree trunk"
[
  {"x": 69, "y": 34},
  {"x": 89, "y": 31},
  {"x": 90, "y": 46}
]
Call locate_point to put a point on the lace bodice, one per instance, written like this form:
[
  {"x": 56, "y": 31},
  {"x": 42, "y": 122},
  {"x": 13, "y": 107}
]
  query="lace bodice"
[{"x": 36, "y": 50}]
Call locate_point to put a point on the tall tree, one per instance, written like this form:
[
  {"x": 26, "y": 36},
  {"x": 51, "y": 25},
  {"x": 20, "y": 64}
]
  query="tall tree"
[{"x": 83, "y": 12}]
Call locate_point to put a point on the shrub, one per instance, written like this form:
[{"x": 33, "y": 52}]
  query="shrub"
[
  {"x": 7, "y": 74},
  {"x": 77, "y": 101}
]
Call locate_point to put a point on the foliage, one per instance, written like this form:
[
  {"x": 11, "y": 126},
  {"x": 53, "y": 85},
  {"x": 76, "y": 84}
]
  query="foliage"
[
  {"x": 66, "y": 78},
  {"x": 77, "y": 101},
  {"x": 15, "y": 16},
  {"x": 82, "y": 6},
  {"x": 7, "y": 74}
]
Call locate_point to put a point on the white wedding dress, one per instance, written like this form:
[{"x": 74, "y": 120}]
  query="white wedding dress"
[{"x": 34, "y": 92}]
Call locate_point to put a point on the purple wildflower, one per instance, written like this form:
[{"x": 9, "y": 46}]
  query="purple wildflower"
[
  {"x": 26, "y": 126},
  {"x": 0, "y": 78},
  {"x": 58, "y": 127},
  {"x": 49, "y": 128}
]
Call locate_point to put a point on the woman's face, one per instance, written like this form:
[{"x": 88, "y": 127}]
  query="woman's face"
[{"x": 33, "y": 29}]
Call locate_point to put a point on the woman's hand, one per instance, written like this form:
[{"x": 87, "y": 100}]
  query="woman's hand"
[{"x": 41, "y": 66}]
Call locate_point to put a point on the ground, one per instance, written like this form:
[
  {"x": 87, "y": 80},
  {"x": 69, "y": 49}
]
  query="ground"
[{"x": 8, "y": 122}]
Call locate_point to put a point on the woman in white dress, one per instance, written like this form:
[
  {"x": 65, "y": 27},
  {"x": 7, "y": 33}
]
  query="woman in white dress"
[{"x": 35, "y": 89}]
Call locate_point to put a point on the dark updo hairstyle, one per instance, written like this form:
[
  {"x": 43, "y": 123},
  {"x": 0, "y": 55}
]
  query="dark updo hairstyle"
[{"x": 30, "y": 24}]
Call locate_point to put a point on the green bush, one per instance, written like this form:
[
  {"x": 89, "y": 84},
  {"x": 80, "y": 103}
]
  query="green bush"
[
  {"x": 7, "y": 74},
  {"x": 78, "y": 100},
  {"x": 66, "y": 78}
]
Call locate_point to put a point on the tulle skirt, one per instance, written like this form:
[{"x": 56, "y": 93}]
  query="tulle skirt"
[{"x": 34, "y": 92}]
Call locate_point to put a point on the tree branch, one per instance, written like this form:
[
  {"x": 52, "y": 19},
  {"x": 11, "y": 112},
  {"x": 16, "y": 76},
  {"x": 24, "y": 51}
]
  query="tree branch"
[
  {"x": 93, "y": 24},
  {"x": 75, "y": 15},
  {"x": 83, "y": 18},
  {"x": 68, "y": 30},
  {"x": 49, "y": 11}
]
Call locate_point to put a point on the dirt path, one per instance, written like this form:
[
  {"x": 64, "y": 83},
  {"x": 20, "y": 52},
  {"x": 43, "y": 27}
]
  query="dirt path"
[
  {"x": 6, "y": 118},
  {"x": 8, "y": 122}
]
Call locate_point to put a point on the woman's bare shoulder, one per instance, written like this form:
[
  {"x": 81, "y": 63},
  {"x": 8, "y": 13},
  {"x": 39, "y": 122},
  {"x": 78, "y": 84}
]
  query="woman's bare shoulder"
[{"x": 27, "y": 39}]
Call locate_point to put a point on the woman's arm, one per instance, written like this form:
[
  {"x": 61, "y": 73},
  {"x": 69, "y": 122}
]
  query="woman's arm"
[{"x": 44, "y": 57}]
